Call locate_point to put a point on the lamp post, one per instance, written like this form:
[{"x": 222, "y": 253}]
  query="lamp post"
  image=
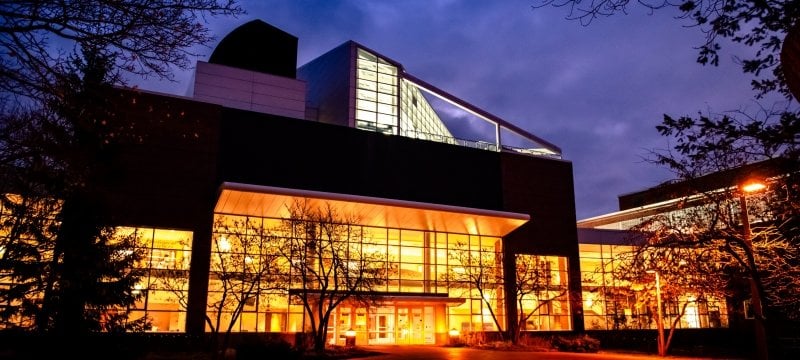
[
  {"x": 660, "y": 320},
  {"x": 454, "y": 335},
  {"x": 350, "y": 338},
  {"x": 755, "y": 292}
]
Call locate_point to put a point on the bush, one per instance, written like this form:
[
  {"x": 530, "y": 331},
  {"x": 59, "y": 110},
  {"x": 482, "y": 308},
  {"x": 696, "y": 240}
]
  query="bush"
[
  {"x": 578, "y": 343},
  {"x": 261, "y": 347},
  {"x": 540, "y": 342}
]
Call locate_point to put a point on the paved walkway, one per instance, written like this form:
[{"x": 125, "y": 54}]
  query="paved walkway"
[{"x": 448, "y": 353}]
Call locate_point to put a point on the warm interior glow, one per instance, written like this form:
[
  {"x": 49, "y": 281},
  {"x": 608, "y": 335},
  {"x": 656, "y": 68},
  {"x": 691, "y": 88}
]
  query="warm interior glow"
[
  {"x": 243, "y": 199},
  {"x": 223, "y": 244},
  {"x": 753, "y": 186}
]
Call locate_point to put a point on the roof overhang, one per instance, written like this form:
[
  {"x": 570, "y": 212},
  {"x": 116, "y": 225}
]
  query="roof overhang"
[{"x": 268, "y": 201}]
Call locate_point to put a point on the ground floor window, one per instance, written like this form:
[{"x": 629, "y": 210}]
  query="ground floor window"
[
  {"x": 251, "y": 266},
  {"x": 542, "y": 293},
  {"x": 165, "y": 284},
  {"x": 611, "y": 304}
]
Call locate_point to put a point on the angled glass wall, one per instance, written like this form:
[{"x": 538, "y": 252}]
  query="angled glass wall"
[
  {"x": 391, "y": 102},
  {"x": 388, "y": 104},
  {"x": 418, "y": 119}
]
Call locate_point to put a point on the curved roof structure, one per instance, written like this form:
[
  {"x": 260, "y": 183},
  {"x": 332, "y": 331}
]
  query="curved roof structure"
[{"x": 260, "y": 47}]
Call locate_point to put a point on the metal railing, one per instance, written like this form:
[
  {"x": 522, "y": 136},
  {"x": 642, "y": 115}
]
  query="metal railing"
[{"x": 475, "y": 144}]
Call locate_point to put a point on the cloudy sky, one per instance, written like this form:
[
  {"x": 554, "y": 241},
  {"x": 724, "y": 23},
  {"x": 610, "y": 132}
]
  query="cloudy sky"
[{"x": 596, "y": 91}]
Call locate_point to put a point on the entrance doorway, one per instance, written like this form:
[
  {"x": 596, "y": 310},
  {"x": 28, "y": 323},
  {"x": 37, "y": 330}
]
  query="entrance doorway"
[
  {"x": 405, "y": 325},
  {"x": 402, "y": 324},
  {"x": 382, "y": 325}
]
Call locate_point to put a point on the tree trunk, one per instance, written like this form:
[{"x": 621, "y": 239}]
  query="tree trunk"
[{"x": 76, "y": 234}]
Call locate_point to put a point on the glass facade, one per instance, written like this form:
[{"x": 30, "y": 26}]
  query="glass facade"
[
  {"x": 543, "y": 293},
  {"x": 165, "y": 284},
  {"x": 418, "y": 119},
  {"x": 376, "y": 94},
  {"x": 612, "y": 304},
  {"x": 27, "y": 251},
  {"x": 388, "y": 104},
  {"x": 163, "y": 287},
  {"x": 422, "y": 297}
]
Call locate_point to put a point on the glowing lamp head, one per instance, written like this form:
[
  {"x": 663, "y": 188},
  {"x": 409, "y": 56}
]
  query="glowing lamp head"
[
  {"x": 223, "y": 244},
  {"x": 453, "y": 332},
  {"x": 350, "y": 333},
  {"x": 753, "y": 186},
  {"x": 650, "y": 271}
]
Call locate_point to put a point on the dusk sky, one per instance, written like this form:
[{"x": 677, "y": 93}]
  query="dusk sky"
[{"x": 596, "y": 91}]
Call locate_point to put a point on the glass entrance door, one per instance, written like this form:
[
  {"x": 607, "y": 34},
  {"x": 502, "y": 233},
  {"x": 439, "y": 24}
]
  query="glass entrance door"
[
  {"x": 411, "y": 325},
  {"x": 417, "y": 326},
  {"x": 381, "y": 326},
  {"x": 402, "y": 324}
]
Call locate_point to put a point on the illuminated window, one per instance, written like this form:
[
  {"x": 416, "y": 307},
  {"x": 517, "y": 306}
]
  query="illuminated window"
[
  {"x": 418, "y": 119},
  {"x": 164, "y": 288},
  {"x": 415, "y": 262},
  {"x": 376, "y": 94},
  {"x": 610, "y": 303},
  {"x": 542, "y": 290}
]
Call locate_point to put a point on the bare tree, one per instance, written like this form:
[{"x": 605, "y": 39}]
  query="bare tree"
[
  {"x": 481, "y": 271},
  {"x": 690, "y": 273},
  {"x": 145, "y": 37},
  {"x": 534, "y": 285},
  {"x": 245, "y": 267},
  {"x": 329, "y": 263},
  {"x": 58, "y": 61}
]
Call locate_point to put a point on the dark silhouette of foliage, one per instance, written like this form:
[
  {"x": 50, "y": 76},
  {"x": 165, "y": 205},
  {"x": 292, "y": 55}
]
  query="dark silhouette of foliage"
[{"x": 59, "y": 61}]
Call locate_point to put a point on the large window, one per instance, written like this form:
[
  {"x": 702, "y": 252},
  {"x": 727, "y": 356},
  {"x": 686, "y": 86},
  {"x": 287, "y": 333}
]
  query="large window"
[
  {"x": 418, "y": 119},
  {"x": 543, "y": 293},
  {"x": 246, "y": 286},
  {"x": 376, "y": 94},
  {"x": 610, "y": 303},
  {"x": 164, "y": 286},
  {"x": 416, "y": 263}
]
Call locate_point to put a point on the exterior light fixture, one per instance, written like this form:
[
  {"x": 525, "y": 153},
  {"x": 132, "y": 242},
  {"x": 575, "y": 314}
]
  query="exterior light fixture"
[
  {"x": 350, "y": 338},
  {"x": 454, "y": 336},
  {"x": 223, "y": 244},
  {"x": 762, "y": 352},
  {"x": 753, "y": 186},
  {"x": 662, "y": 350}
]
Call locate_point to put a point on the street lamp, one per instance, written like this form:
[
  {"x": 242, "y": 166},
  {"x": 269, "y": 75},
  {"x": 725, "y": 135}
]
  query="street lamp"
[
  {"x": 350, "y": 338},
  {"x": 755, "y": 293},
  {"x": 454, "y": 335},
  {"x": 660, "y": 322}
]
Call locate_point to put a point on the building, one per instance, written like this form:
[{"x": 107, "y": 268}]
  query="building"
[
  {"x": 611, "y": 304},
  {"x": 352, "y": 131}
]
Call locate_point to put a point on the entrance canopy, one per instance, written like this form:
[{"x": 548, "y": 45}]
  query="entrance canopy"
[{"x": 268, "y": 201}]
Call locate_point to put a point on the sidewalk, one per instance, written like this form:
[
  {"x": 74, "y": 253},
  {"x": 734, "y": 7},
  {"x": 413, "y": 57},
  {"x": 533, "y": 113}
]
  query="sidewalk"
[{"x": 463, "y": 353}]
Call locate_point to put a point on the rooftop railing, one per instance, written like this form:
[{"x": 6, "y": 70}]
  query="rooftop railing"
[
  {"x": 479, "y": 144},
  {"x": 475, "y": 144}
]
